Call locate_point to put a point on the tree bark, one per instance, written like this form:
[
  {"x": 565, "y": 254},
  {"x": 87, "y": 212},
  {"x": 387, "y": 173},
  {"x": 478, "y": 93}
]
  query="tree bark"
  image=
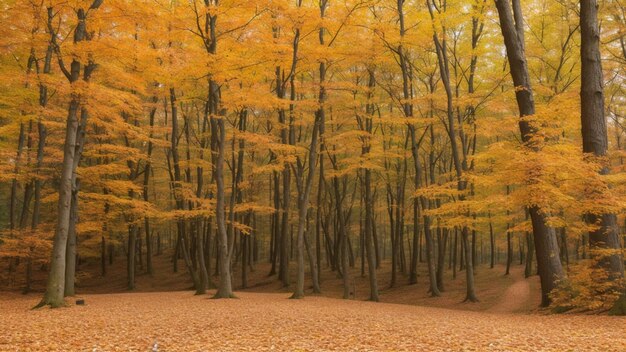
[
  {"x": 442, "y": 58},
  {"x": 594, "y": 135},
  {"x": 549, "y": 265},
  {"x": 367, "y": 192},
  {"x": 56, "y": 279}
]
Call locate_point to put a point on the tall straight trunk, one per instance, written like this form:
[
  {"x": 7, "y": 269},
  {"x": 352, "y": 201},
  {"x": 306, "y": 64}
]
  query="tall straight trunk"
[
  {"x": 595, "y": 137},
  {"x": 318, "y": 210},
  {"x": 287, "y": 137},
  {"x": 345, "y": 262},
  {"x": 70, "y": 254},
  {"x": 509, "y": 252},
  {"x": 238, "y": 193},
  {"x": 521, "y": 250},
  {"x": 361, "y": 253},
  {"x": 275, "y": 250},
  {"x": 416, "y": 246},
  {"x": 202, "y": 271},
  {"x": 131, "y": 257},
  {"x": 103, "y": 258},
  {"x": 42, "y": 131},
  {"x": 442, "y": 238},
  {"x": 41, "y": 143},
  {"x": 462, "y": 255},
  {"x": 200, "y": 223},
  {"x": 444, "y": 71},
  {"x": 469, "y": 267},
  {"x": 56, "y": 278},
  {"x": 343, "y": 236},
  {"x": 303, "y": 207},
  {"x": 139, "y": 249},
  {"x": 316, "y": 269},
  {"x": 455, "y": 250},
  {"x": 14, "y": 183},
  {"x": 146, "y": 179},
  {"x": 377, "y": 246},
  {"x": 492, "y": 244},
  {"x": 474, "y": 255},
  {"x": 450, "y": 251},
  {"x": 392, "y": 235},
  {"x": 312, "y": 260},
  {"x": 286, "y": 204},
  {"x": 245, "y": 257},
  {"x": 528, "y": 269},
  {"x": 71, "y": 251},
  {"x": 182, "y": 246},
  {"x": 208, "y": 229},
  {"x": 509, "y": 240},
  {"x": 28, "y": 189},
  {"x": 548, "y": 262},
  {"x": 407, "y": 91},
  {"x": 564, "y": 249},
  {"x": 430, "y": 257},
  {"x": 366, "y": 125},
  {"x": 224, "y": 242}
]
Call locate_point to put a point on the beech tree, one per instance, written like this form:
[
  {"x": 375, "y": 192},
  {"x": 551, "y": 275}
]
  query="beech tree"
[
  {"x": 594, "y": 130},
  {"x": 73, "y": 146},
  {"x": 310, "y": 139},
  {"x": 546, "y": 247}
]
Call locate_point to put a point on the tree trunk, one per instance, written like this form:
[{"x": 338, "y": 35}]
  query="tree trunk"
[
  {"x": 70, "y": 255},
  {"x": 416, "y": 248},
  {"x": 303, "y": 203},
  {"x": 441, "y": 255},
  {"x": 430, "y": 258},
  {"x": 41, "y": 143},
  {"x": 509, "y": 252},
  {"x": 529, "y": 255},
  {"x": 469, "y": 268},
  {"x": 455, "y": 250},
  {"x": 442, "y": 58},
  {"x": 595, "y": 137},
  {"x": 368, "y": 233},
  {"x": 56, "y": 279},
  {"x": 549, "y": 265},
  {"x": 130, "y": 263},
  {"x": 492, "y": 246}
]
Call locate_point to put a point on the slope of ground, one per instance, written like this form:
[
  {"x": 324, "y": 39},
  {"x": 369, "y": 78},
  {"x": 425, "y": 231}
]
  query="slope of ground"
[
  {"x": 491, "y": 284},
  {"x": 516, "y": 297},
  {"x": 179, "y": 321}
]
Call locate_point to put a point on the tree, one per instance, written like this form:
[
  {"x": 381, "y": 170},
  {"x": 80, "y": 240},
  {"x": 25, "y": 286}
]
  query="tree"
[
  {"x": 594, "y": 133},
  {"x": 74, "y": 133},
  {"x": 546, "y": 246}
]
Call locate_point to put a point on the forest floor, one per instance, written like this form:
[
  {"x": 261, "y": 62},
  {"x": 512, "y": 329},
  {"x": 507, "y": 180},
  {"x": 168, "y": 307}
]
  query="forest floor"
[
  {"x": 180, "y": 321},
  {"x": 497, "y": 292},
  {"x": 516, "y": 297},
  {"x": 505, "y": 319}
]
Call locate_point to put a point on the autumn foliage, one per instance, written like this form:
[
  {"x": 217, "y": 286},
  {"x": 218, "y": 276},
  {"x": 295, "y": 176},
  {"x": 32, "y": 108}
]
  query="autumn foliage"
[{"x": 204, "y": 118}]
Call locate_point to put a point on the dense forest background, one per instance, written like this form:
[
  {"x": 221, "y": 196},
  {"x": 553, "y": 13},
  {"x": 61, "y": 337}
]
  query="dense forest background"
[{"x": 316, "y": 136}]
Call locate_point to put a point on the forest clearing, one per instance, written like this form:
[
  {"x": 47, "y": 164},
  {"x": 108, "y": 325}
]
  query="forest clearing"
[{"x": 335, "y": 174}]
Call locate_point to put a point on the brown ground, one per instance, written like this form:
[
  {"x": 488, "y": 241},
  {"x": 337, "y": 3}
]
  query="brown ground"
[
  {"x": 506, "y": 318},
  {"x": 492, "y": 285},
  {"x": 516, "y": 297},
  {"x": 180, "y": 321}
]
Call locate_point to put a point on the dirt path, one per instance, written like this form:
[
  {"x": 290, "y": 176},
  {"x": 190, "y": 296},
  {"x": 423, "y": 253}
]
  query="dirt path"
[
  {"x": 180, "y": 321},
  {"x": 515, "y": 298}
]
